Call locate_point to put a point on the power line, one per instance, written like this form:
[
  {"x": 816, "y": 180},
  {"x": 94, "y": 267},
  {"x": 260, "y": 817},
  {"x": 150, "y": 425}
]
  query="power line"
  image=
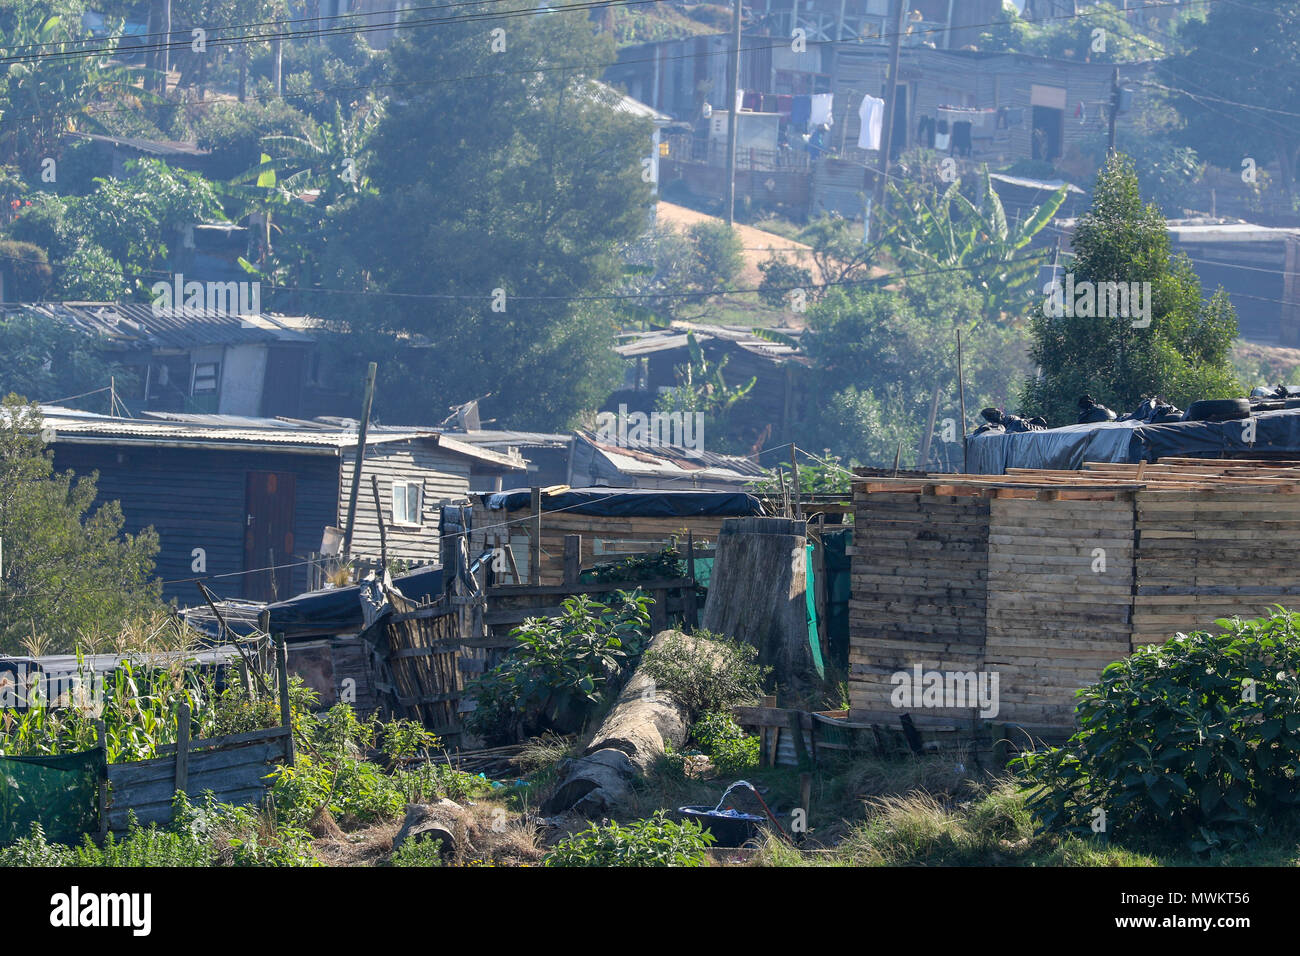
[
  {"x": 583, "y": 5},
  {"x": 245, "y": 39},
  {"x": 117, "y": 38}
]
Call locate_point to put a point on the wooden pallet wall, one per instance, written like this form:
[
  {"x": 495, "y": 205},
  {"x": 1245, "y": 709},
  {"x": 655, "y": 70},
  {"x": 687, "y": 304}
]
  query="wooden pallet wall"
[
  {"x": 1204, "y": 556},
  {"x": 1059, "y": 601},
  {"x": 920, "y": 570},
  {"x": 1002, "y": 573}
]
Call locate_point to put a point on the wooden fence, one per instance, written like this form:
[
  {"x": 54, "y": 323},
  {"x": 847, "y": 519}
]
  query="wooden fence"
[{"x": 234, "y": 767}]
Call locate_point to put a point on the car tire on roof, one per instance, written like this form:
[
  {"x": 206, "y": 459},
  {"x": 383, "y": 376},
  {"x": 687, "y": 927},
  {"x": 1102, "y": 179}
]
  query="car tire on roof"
[{"x": 1218, "y": 410}]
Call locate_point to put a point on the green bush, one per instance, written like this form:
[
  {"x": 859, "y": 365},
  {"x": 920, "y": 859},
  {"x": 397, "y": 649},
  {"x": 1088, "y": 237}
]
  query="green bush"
[
  {"x": 780, "y": 275},
  {"x": 206, "y": 833},
  {"x": 418, "y": 852},
  {"x": 560, "y": 669},
  {"x": 654, "y": 841},
  {"x": 1195, "y": 740},
  {"x": 701, "y": 682},
  {"x": 728, "y": 746}
]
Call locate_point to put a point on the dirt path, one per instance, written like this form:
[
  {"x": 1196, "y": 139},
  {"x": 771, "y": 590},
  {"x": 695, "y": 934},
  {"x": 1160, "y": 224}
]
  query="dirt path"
[{"x": 758, "y": 244}]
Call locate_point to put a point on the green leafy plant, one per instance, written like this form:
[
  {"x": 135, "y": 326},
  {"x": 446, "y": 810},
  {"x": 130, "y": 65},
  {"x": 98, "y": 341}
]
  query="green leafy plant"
[
  {"x": 725, "y": 741},
  {"x": 1193, "y": 740},
  {"x": 418, "y": 852},
  {"x": 201, "y": 833},
  {"x": 562, "y": 668},
  {"x": 706, "y": 682},
  {"x": 654, "y": 841}
]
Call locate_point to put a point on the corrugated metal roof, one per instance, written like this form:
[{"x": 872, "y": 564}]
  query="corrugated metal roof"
[
  {"x": 673, "y": 461},
  {"x": 661, "y": 340},
  {"x": 139, "y": 325},
  {"x": 152, "y": 147},
  {"x": 164, "y": 428},
  {"x": 70, "y": 425}
]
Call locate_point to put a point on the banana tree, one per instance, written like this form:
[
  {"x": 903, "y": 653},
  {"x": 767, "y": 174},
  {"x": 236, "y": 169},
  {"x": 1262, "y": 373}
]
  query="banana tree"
[
  {"x": 43, "y": 96},
  {"x": 301, "y": 181},
  {"x": 947, "y": 231}
]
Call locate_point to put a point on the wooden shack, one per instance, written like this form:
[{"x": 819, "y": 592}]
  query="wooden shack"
[
  {"x": 1045, "y": 577},
  {"x": 613, "y": 523},
  {"x": 244, "y": 503}
]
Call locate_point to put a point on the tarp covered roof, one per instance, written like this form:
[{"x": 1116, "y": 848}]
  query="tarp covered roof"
[
  {"x": 633, "y": 502},
  {"x": 338, "y": 610},
  {"x": 1277, "y": 435}
]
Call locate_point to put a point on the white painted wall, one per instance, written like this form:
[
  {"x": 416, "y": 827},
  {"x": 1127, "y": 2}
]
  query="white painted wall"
[{"x": 243, "y": 370}]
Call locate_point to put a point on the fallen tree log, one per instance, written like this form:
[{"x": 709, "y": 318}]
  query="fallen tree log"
[
  {"x": 626, "y": 745},
  {"x": 445, "y": 821}
]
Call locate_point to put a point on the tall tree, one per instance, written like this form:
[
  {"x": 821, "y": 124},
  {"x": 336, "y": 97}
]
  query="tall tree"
[
  {"x": 1240, "y": 90},
  {"x": 68, "y": 569},
  {"x": 506, "y": 182},
  {"x": 1181, "y": 355}
]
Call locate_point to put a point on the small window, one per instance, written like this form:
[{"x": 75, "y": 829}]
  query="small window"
[
  {"x": 406, "y": 502},
  {"x": 205, "y": 378}
]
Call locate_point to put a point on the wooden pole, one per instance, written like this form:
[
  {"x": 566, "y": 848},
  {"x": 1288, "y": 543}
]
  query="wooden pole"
[
  {"x": 101, "y": 739},
  {"x": 692, "y": 610},
  {"x": 383, "y": 531},
  {"x": 535, "y": 546},
  {"x": 1114, "y": 110},
  {"x": 733, "y": 112},
  {"x": 887, "y": 130},
  {"x": 360, "y": 456},
  {"x": 794, "y": 465},
  {"x": 572, "y": 559},
  {"x": 286, "y": 712},
  {"x": 182, "y": 749},
  {"x": 961, "y": 393},
  {"x": 923, "y": 458}
]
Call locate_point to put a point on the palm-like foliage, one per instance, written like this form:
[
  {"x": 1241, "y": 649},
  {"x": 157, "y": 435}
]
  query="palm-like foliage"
[
  {"x": 297, "y": 189},
  {"x": 42, "y": 97},
  {"x": 947, "y": 231}
]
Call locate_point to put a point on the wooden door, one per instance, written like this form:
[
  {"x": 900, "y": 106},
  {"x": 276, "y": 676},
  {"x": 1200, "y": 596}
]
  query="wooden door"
[{"x": 268, "y": 535}]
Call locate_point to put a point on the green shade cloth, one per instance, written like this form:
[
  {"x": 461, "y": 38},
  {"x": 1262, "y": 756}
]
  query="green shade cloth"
[
  {"x": 810, "y": 596},
  {"x": 62, "y": 793}
]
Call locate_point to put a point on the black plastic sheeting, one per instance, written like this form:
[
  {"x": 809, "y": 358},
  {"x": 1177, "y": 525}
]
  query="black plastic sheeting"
[
  {"x": 1277, "y": 435},
  {"x": 635, "y": 502},
  {"x": 338, "y": 610}
]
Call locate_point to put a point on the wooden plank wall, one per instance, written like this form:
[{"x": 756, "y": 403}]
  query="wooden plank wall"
[
  {"x": 641, "y": 534},
  {"x": 235, "y": 768},
  {"x": 443, "y": 477},
  {"x": 1046, "y": 577},
  {"x": 1202, "y": 556},
  {"x": 1059, "y": 601},
  {"x": 920, "y": 572},
  {"x": 194, "y": 498}
]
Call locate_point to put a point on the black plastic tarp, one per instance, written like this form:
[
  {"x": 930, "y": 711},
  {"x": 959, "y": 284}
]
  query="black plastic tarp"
[
  {"x": 338, "y": 610},
  {"x": 1276, "y": 435},
  {"x": 635, "y": 502}
]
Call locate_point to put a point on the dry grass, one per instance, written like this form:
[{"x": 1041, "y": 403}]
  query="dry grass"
[{"x": 369, "y": 846}]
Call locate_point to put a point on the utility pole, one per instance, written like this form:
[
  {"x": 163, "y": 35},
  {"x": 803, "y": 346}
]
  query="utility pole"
[
  {"x": 1114, "y": 108},
  {"x": 363, "y": 427},
  {"x": 733, "y": 112},
  {"x": 877, "y": 207},
  {"x": 167, "y": 49}
]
